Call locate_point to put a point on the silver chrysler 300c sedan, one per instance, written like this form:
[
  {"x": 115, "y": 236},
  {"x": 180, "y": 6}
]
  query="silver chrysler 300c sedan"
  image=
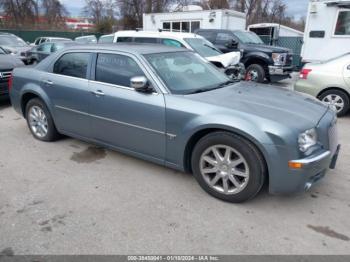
[{"x": 172, "y": 107}]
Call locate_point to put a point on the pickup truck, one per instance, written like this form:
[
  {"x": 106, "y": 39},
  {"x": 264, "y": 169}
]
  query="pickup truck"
[
  {"x": 7, "y": 64},
  {"x": 262, "y": 62}
]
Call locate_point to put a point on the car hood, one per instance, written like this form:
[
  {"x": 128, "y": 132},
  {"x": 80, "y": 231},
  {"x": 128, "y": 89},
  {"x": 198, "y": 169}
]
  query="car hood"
[
  {"x": 17, "y": 49},
  {"x": 227, "y": 59},
  {"x": 286, "y": 107},
  {"x": 267, "y": 48},
  {"x": 9, "y": 62}
]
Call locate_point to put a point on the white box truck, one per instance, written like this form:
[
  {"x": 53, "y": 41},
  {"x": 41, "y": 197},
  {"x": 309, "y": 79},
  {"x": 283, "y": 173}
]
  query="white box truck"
[
  {"x": 327, "y": 31},
  {"x": 193, "y": 18}
]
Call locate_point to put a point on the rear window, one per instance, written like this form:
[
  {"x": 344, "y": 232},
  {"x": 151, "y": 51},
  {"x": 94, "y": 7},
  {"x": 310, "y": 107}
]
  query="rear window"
[
  {"x": 124, "y": 39},
  {"x": 72, "y": 64},
  {"x": 146, "y": 40}
]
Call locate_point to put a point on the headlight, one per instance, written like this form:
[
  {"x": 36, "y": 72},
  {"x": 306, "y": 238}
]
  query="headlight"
[
  {"x": 307, "y": 139},
  {"x": 279, "y": 58}
]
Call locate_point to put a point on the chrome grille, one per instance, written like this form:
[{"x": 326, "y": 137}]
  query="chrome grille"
[
  {"x": 5, "y": 75},
  {"x": 333, "y": 138}
]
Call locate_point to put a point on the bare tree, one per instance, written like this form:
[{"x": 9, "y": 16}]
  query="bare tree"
[
  {"x": 20, "y": 12},
  {"x": 54, "y": 12}
]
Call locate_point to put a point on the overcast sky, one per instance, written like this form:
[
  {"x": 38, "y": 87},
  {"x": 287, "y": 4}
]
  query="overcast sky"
[{"x": 297, "y": 8}]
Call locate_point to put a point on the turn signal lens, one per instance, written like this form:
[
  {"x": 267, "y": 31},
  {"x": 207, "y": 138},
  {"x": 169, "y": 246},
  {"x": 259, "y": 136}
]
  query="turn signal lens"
[{"x": 295, "y": 165}]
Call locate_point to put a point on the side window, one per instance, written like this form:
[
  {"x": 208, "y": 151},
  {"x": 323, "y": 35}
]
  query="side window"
[
  {"x": 343, "y": 23},
  {"x": 124, "y": 39},
  {"x": 223, "y": 37},
  {"x": 148, "y": 40},
  {"x": 106, "y": 39},
  {"x": 171, "y": 42},
  {"x": 37, "y": 41},
  {"x": 44, "y": 48},
  {"x": 72, "y": 64},
  {"x": 116, "y": 69},
  {"x": 209, "y": 35}
]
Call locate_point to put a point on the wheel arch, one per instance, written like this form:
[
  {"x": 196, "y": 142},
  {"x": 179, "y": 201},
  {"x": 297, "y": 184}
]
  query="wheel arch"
[
  {"x": 31, "y": 94},
  {"x": 333, "y": 88},
  {"x": 199, "y": 134}
]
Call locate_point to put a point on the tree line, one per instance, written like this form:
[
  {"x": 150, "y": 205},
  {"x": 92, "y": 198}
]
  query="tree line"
[{"x": 110, "y": 15}]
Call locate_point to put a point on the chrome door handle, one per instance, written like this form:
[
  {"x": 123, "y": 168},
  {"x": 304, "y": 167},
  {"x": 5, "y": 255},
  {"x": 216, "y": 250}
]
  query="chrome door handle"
[
  {"x": 48, "y": 82},
  {"x": 98, "y": 93}
]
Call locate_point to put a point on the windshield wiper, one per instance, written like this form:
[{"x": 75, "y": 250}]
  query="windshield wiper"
[{"x": 221, "y": 85}]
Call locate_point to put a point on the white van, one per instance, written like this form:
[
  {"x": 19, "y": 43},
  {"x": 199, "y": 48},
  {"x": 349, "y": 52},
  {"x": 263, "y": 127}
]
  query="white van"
[
  {"x": 327, "y": 31},
  {"x": 190, "y": 41}
]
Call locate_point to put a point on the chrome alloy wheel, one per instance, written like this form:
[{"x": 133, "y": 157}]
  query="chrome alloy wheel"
[
  {"x": 334, "y": 101},
  {"x": 38, "y": 121},
  {"x": 224, "y": 169}
]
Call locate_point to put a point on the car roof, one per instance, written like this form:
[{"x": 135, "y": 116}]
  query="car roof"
[
  {"x": 133, "y": 48},
  {"x": 161, "y": 34}
]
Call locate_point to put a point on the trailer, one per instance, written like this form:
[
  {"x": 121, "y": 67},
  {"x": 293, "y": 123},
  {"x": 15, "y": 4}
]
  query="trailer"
[
  {"x": 272, "y": 31},
  {"x": 191, "y": 18},
  {"x": 327, "y": 31}
]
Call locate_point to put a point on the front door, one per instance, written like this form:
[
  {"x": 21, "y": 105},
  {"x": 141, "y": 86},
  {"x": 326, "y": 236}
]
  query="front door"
[
  {"x": 347, "y": 74},
  {"x": 68, "y": 89},
  {"x": 121, "y": 116}
]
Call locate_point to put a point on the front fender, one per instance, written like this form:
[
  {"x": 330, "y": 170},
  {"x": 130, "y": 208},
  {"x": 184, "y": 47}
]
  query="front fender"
[{"x": 257, "y": 56}]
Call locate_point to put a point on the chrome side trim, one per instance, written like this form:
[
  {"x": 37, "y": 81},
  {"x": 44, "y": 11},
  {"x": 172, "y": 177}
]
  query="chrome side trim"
[
  {"x": 115, "y": 121},
  {"x": 307, "y": 161},
  {"x": 117, "y": 86}
]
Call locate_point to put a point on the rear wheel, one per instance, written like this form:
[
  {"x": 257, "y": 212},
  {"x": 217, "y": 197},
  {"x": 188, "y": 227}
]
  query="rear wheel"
[
  {"x": 40, "y": 122},
  {"x": 336, "y": 99},
  {"x": 228, "y": 167},
  {"x": 255, "y": 73}
]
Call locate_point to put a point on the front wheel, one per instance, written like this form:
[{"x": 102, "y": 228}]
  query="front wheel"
[
  {"x": 255, "y": 73},
  {"x": 40, "y": 122},
  {"x": 228, "y": 167}
]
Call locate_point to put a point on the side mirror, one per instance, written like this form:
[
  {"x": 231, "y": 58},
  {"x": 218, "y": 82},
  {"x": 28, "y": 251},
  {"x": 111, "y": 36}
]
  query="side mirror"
[
  {"x": 233, "y": 44},
  {"x": 140, "y": 84}
]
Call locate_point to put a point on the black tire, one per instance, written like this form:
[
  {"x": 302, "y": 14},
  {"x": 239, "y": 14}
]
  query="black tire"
[
  {"x": 51, "y": 134},
  {"x": 253, "y": 159},
  {"x": 260, "y": 73},
  {"x": 344, "y": 97}
]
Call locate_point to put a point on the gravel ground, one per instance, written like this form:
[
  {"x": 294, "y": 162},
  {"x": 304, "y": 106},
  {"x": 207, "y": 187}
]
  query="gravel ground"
[{"x": 70, "y": 197}]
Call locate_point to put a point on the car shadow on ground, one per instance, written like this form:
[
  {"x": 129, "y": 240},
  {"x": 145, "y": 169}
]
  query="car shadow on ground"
[{"x": 4, "y": 103}]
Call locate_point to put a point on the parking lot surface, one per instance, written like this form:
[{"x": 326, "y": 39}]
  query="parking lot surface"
[{"x": 71, "y": 197}]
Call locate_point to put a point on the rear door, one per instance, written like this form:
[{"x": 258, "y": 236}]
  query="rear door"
[
  {"x": 122, "y": 117},
  {"x": 68, "y": 89}
]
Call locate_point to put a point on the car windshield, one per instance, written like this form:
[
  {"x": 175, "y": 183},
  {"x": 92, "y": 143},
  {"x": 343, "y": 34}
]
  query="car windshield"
[
  {"x": 203, "y": 47},
  {"x": 10, "y": 40},
  {"x": 248, "y": 37},
  {"x": 187, "y": 72}
]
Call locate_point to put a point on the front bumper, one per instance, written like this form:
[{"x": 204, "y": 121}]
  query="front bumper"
[
  {"x": 277, "y": 73},
  {"x": 3, "y": 88},
  {"x": 314, "y": 168}
]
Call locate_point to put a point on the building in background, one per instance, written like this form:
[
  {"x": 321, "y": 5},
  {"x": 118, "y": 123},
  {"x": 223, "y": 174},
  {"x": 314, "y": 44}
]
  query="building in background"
[
  {"x": 79, "y": 24},
  {"x": 192, "y": 18},
  {"x": 327, "y": 31}
]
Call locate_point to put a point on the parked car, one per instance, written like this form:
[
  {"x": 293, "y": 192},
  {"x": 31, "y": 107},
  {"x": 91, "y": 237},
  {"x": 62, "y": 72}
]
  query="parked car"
[
  {"x": 170, "y": 106},
  {"x": 229, "y": 62},
  {"x": 106, "y": 39},
  {"x": 44, "y": 39},
  {"x": 7, "y": 64},
  {"x": 38, "y": 53},
  {"x": 14, "y": 45},
  {"x": 87, "y": 39},
  {"x": 262, "y": 62},
  {"x": 329, "y": 81}
]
